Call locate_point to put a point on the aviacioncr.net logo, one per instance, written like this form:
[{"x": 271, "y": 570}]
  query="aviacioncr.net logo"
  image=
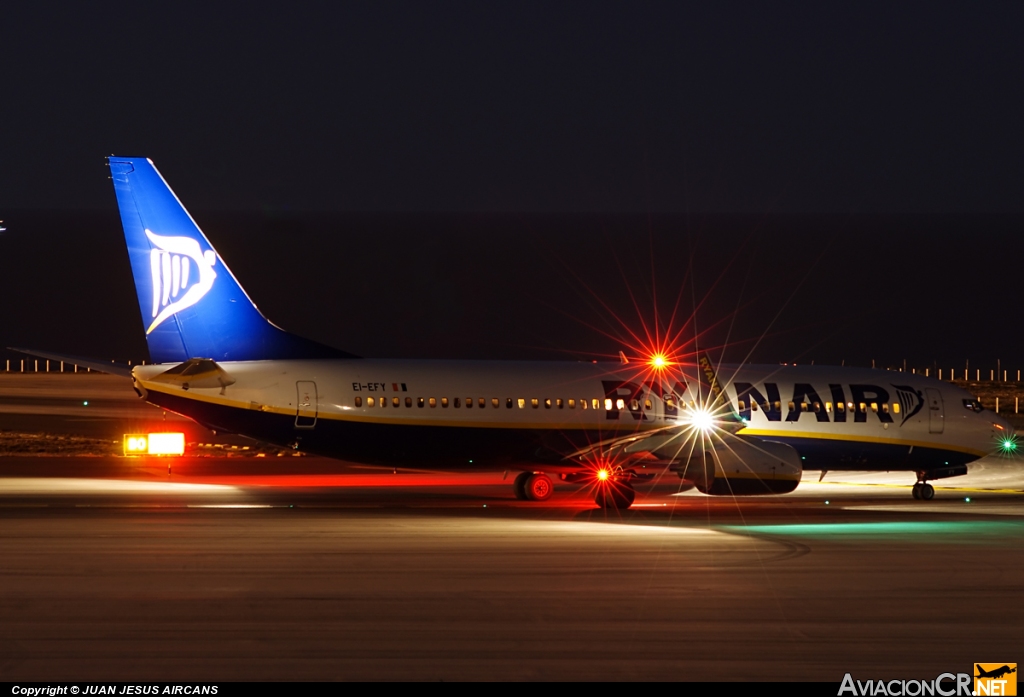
[
  {"x": 945, "y": 685},
  {"x": 995, "y": 679},
  {"x": 170, "y": 262}
]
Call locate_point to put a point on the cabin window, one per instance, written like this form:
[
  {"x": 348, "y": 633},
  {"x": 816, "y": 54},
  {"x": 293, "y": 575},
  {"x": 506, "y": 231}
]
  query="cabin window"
[
  {"x": 433, "y": 402},
  {"x": 559, "y": 404},
  {"x": 383, "y": 401},
  {"x": 469, "y": 402},
  {"x": 863, "y": 408},
  {"x": 483, "y": 403},
  {"x": 369, "y": 401},
  {"x": 742, "y": 405},
  {"x": 633, "y": 405},
  {"x": 896, "y": 408},
  {"x": 419, "y": 402},
  {"x": 753, "y": 405},
  {"x": 608, "y": 404},
  {"x": 408, "y": 402},
  {"x": 583, "y": 404},
  {"x": 596, "y": 403},
  {"x": 828, "y": 406},
  {"x": 444, "y": 402},
  {"x": 874, "y": 407},
  {"x": 495, "y": 402},
  {"x": 359, "y": 401},
  {"x": 647, "y": 405},
  {"x": 885, "y": 407},
  {"x": 534, "y": 402},
  {"x": 840, "y": 406},
  {"x": 396, "y": 402},
  {"x": 547, "y": 403},
  {"x": 458, "y": 402},
  {"x": 620, "y": 404},
  {"x": 572, "y": 403},
  {"x": 778, "y": 406},
  {"x": 805, "y": 406},
  {"x": 508, "y": 403},
  {"x": 522, "y": 403},
  {"x": 671, "y": 404}
]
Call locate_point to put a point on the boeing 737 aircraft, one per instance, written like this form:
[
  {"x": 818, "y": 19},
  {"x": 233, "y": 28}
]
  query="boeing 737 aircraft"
[{"x": 732, "y": 430}]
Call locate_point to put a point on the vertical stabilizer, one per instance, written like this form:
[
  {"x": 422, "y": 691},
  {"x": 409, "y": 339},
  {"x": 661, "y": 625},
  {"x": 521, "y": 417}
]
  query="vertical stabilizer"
[{"x": 192, "y": 306}]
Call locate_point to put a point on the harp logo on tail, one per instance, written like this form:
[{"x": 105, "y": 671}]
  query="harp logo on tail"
[{"x": 176, "y": 286}]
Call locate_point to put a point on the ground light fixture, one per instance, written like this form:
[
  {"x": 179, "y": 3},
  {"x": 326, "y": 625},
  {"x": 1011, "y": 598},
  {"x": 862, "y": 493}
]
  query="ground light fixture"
[{"x": 154, "y": 444}]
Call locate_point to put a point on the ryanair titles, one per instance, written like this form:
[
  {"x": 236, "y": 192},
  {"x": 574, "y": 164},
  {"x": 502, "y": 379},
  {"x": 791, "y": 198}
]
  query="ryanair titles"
[{"x": 832, "y": 403}]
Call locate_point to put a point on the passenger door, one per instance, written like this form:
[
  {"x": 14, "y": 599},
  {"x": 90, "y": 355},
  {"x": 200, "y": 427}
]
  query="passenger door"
[
  {"x": 307, "y": 405},
  {"x": 936, "y": 413}
]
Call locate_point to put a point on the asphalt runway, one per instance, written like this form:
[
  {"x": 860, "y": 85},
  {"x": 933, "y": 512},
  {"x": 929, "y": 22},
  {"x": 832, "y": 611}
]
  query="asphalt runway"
[{"x": 301, "y": 568}]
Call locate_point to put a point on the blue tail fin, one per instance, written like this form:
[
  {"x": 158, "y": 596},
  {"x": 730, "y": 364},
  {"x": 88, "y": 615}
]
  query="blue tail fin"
[{"x": 192, "y": 306}]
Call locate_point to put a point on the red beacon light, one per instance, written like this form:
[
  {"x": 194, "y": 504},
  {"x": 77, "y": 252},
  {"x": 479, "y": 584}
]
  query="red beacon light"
[{"x": 658, "y": 361}]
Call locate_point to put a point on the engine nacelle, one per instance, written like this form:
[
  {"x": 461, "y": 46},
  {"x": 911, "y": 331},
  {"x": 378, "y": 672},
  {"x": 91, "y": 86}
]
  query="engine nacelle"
[{"x": 742, "y": 465}]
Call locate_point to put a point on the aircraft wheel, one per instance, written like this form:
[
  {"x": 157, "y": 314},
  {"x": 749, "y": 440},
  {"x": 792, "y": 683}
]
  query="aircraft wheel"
[
  {"x": 916, "y": 491},
  {"x": 519, "y": 485},
  {"x": 538, "y": 487},
  {"x": 615, "y": 494},
  {"x": 927, "y": 492}
]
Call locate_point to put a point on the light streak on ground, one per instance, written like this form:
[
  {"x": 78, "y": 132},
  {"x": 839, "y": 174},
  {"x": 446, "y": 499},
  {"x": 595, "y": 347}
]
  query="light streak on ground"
[{"x": 63, "y": 485}]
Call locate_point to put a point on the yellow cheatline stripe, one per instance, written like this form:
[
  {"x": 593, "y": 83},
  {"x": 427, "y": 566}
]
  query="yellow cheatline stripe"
[
  {"x": 769, "y": 433},
  {"x": 358, "y": 417}
]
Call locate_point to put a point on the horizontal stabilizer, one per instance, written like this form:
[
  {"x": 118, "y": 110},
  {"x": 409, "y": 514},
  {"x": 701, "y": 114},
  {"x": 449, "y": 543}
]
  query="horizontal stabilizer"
[{"x": 110, "y": 367}]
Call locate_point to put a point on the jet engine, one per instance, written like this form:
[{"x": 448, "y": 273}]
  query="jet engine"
[{"x": 741, "y": 465}]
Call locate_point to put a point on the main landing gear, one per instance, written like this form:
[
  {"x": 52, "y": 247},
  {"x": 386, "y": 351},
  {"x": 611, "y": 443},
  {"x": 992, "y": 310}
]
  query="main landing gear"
[
  {"x": 614, "y": 493},
  {"x": 923, "y": 491},
  {"x": 533, "y": 486}
]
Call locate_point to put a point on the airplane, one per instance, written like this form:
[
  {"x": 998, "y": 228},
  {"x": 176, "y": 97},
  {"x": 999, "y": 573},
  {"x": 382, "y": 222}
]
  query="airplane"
[
  {"x": 995, "y": 673},
  {"x": 725, "y": 430}
]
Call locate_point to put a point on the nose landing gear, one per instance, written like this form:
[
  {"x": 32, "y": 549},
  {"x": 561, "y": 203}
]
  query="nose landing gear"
[{"x": 923, "y": 491}]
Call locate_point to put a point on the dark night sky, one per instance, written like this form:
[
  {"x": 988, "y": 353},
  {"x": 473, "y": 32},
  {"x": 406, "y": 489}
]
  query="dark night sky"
[{"x": 475, "y": 180}]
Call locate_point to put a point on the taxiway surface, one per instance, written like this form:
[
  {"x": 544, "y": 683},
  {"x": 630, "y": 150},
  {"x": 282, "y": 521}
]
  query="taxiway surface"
[{"x": 235, "y": 569}]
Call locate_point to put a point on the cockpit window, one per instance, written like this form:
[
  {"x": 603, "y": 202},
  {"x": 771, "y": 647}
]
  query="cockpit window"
[{"x": 973, "y": 404}]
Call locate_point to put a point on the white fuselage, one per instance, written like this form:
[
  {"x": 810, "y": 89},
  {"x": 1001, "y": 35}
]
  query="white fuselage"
[{"x": 851, "y": 418}]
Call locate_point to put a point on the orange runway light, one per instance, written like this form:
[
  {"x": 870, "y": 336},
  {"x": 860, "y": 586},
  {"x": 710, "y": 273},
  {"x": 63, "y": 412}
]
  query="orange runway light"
[{"x": 154, "y": 444}]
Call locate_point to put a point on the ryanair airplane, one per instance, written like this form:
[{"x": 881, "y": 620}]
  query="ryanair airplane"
[{"x": 734, "y": 430}]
